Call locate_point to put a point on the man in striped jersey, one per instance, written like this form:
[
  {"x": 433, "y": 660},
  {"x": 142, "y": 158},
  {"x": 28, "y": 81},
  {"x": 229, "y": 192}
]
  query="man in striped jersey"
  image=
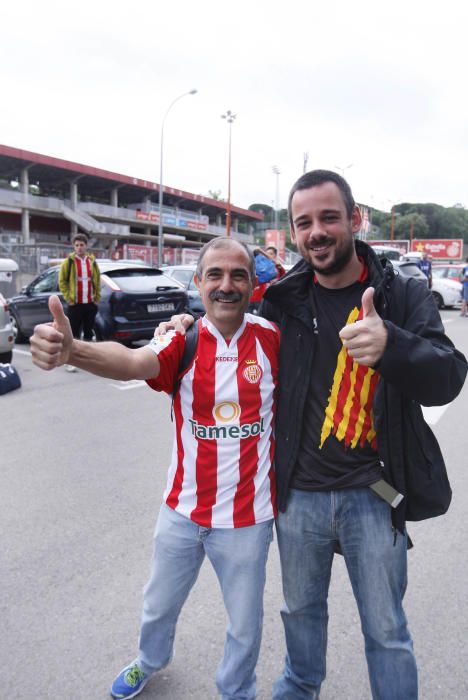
[
  {"x": 220, "y": 493},
  {"x": 80, "y": 284}
]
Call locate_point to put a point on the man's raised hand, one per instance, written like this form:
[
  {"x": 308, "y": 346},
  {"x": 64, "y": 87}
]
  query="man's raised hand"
[
  {"x": 366, "y": 340},
  {"x": 51, "y": 342},
  {"x": 179, "y": 322}
]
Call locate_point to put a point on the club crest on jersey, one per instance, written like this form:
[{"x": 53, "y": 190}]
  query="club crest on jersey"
[{"x": 253, "y": 372}]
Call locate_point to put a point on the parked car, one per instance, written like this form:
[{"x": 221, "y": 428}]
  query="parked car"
[
  {"x": 446, "y": 285},
  {"x": 385, "y": 251},
  {"x": 134, "y": 300},
  {"x": 412, "y": 256},
  {"x": 409, "y": 269},
  {"x": 7, "y": 334},
  {"x": 185, "y": 274}
]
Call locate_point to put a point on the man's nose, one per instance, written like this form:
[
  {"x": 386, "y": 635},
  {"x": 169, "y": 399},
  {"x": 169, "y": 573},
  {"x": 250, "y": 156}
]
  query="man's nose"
[
  {"x": 316, "y": 228},
  {"x": 226, "y": 283}
]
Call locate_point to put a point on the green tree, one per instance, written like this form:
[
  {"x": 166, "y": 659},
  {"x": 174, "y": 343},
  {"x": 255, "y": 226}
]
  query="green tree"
[{"x": 215, "y": 194}]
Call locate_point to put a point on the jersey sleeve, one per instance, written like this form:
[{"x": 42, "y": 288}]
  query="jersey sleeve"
[{"x": 169, "y": 348}]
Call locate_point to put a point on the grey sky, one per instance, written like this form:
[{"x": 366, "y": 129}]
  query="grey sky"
[{"x": 382, "y": 88}]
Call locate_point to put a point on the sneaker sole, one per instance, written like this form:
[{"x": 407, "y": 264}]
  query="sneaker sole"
[{"x": 133, "y": 695}]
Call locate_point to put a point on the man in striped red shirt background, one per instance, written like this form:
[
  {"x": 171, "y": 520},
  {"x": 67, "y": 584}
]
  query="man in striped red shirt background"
[
  {"x": 80, "y": 284},
  {"x": 220, "y": 494}
]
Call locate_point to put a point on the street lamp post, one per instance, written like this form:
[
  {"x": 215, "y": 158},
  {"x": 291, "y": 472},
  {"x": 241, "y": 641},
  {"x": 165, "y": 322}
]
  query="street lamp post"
[
  {"x": 229, "y": 117},
  {"x": 392, "y": 224},
  {"x": 276, "y": 171},
  {"x": 160, "y": 222},
  {"x": 342, "y": 170}
]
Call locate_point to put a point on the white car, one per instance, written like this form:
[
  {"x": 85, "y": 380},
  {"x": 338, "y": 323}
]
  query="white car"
[
  {"x": 7, "y": 334},
  {"x": 446, "y": 285}
]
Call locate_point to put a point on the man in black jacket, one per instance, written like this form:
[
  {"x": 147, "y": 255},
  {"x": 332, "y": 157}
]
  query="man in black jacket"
[{"x": 361, "y": 349}]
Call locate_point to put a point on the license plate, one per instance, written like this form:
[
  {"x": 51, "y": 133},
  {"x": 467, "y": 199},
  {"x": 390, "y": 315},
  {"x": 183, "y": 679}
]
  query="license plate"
[{"x": 154, "y": 308}]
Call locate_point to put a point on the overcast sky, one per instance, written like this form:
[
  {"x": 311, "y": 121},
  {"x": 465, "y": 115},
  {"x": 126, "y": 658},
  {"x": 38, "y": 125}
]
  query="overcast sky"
[{"x": 380, "y": 87}]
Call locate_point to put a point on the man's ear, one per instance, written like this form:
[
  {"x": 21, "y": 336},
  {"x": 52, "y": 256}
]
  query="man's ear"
[
  {"x": 293, "y": 234},
  {"x": 196, "y": 279},
  {"x": 356, "y": 219}
]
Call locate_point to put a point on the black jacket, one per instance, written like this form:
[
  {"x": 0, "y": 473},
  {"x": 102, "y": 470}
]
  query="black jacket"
[{"x": 419, "y": 366}]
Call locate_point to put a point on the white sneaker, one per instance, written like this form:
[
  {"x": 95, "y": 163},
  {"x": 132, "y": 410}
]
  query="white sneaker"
[{"x": 70, "y": 368}]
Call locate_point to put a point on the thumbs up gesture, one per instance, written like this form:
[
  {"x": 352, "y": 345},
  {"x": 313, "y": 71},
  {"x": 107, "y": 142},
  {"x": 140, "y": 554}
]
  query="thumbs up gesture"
[
  {"x": 366, "y": 340},
  {"x": 51, "y": 343}
]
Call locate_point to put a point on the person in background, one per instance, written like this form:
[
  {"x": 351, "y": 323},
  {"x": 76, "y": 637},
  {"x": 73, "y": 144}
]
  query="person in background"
[
  {"x": 272, "y": 253},
  {"x": 266, "y": 273},
  {"x": 80, "y": 284},
  {"x": 464, "y": 281},
  {"x": 425, "y": 265}
]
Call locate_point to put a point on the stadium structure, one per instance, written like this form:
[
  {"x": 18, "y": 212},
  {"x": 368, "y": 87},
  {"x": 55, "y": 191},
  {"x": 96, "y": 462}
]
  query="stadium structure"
[{"x": 45, "y": 200}]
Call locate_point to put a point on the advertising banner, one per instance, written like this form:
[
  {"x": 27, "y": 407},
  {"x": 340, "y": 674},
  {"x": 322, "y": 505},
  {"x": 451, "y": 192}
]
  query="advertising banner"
[
  {"x": 276, "y": 238},
  {"x": 440, "y": 248}
]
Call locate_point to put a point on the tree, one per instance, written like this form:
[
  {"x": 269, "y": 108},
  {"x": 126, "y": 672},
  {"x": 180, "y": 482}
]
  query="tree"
[{"x": 216, "y": 194}]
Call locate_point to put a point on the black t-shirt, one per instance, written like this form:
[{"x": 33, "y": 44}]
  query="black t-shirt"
[{"x": 338, "y": 445}]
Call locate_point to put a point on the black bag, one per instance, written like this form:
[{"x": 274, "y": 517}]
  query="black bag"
[{"x": 9, "y": 378}]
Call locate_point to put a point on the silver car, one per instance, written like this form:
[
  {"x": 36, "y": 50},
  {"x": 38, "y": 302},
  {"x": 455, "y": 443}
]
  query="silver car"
[{"x": 8, "y": 270}]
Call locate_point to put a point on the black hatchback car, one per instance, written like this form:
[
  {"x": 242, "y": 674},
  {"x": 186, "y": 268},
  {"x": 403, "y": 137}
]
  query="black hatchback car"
[{"x": 134, "y": 300}]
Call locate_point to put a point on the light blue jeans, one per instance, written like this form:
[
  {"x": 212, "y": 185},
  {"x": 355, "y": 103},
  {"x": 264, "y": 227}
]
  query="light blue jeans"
[
  {"x": 375, "y": 557},
  {"x": 238, "y": 556}
]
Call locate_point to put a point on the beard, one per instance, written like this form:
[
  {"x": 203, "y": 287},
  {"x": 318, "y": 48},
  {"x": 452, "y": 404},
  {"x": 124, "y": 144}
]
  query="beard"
[{"x": 342, "y": 256}]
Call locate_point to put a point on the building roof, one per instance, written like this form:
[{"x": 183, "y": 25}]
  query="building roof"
[{"x": 55, "y": 176}]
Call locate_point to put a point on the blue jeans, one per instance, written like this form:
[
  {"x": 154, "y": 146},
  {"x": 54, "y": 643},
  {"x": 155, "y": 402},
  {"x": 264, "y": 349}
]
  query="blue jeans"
[
  {"x": 238, "y": 556},
  {"x": 375, "y": 557}
]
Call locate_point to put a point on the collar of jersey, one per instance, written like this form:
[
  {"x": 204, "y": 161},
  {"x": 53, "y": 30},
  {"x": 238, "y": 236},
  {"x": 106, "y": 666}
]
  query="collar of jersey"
[{"x": 219, "y": 337}]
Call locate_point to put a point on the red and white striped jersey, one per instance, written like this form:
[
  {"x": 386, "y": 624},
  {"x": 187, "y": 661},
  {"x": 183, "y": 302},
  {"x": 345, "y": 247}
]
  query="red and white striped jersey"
[
  {"x": 84, "y": 287},
  {"x": 221, "y": 473}
]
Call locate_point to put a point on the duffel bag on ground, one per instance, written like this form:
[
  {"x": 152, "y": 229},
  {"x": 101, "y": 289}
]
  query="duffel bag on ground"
[{"x": 9, "y": 378}]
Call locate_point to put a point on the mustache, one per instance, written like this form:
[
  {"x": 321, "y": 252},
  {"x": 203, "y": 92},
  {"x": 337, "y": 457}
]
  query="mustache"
[
  {"x": 222, "y": 296},
  {"x": 319, "y": 240}
]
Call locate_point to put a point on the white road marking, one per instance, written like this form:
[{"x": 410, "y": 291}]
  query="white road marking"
[
  {"x": 22, "y": 352},
  {"x": 131, "y": 384},
  {"x": 432, "y": 414}
]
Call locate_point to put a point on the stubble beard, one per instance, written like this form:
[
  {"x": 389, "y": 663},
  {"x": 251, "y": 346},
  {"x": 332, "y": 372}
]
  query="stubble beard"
[{"x": 341, "y": 259}]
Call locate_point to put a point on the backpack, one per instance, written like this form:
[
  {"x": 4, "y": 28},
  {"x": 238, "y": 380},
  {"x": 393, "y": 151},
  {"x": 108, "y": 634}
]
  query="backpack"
[
  {"x": 191, "y": 342},
  {"x": 265, "y": 269},
  {"x": 9, "y": 378}
]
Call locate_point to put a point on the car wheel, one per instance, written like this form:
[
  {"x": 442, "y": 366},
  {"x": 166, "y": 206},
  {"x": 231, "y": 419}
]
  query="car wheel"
[
  {"x": 6, "y": 357},
  {"x": 438, "y": 300},
  {"x": 19, "y": 335}
]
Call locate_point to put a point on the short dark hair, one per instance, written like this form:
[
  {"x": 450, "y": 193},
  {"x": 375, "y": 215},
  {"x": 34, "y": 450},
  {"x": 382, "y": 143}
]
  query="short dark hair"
[
  {"x": 225, "y": 242},
  {"x": 319, "y": 177},
  {"x": 272, "y": 247},
  {"x": 80, "y": 237}
]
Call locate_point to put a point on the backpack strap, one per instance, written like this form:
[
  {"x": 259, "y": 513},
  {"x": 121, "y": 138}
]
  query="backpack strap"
[{"x": 191, "y": 342}]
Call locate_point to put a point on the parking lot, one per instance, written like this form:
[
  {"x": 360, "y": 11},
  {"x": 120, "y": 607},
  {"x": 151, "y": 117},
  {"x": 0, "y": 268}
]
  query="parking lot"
[{"x": 83, "y": 466}]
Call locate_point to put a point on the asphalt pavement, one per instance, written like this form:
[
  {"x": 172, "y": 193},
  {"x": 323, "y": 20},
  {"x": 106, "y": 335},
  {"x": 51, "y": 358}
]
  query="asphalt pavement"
[{"x": 83, "y": 464}]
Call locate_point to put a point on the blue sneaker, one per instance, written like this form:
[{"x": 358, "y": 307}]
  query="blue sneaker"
[{"x": 130, "y": 681}]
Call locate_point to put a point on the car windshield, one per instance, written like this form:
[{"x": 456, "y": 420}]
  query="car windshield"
[
  {"x": 137, "y": 280},
  {"x": 411, "y": 270},
  {"x": 182, "y": 276}
]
